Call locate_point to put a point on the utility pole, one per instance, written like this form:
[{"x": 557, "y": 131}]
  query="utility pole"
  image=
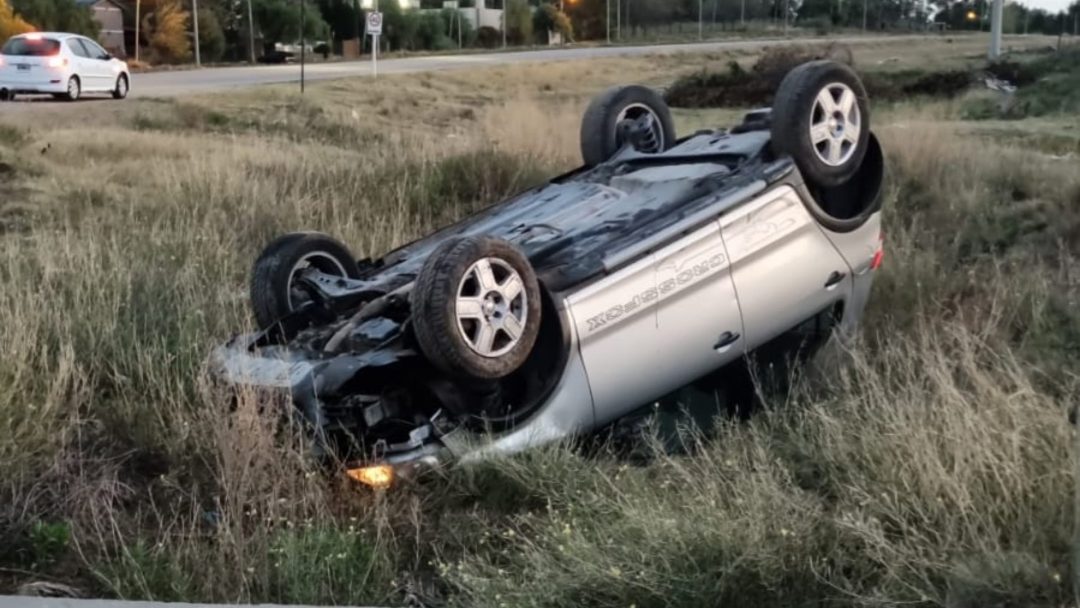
[
  {"x": 607, "y": 21},
  {"x": 138, "y": 7},
  {"x": 303, "y": 42},
  {"x": 701, "y": 19},
  {"x": 251, "y": 33},
  {"x": 786, "y": 7},
  {"x": 995, "y": 29},
  {"x": 195, "y": 22},
  {"x": 742, "y": 14},
  {"x": 864, "y": 7},
  {"x": 618, "y": 19},
  {"x": 504, "y": 23}
]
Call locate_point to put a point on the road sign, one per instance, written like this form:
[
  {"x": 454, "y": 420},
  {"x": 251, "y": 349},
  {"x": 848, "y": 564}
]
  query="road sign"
[{"x": 374, "y": 24}]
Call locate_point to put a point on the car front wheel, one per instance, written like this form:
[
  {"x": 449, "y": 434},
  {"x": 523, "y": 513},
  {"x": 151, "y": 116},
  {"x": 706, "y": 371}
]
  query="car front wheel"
[
  {"x": 276, "y": 287},
  {"x": 120, "y": 91},
  {"x": 476, "y": 308}
]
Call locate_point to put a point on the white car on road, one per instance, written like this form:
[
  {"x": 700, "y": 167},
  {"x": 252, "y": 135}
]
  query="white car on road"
[{"x": 64, "y": 65}]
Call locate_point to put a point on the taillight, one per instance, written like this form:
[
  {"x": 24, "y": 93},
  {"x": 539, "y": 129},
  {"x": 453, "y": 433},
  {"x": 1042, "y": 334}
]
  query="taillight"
[
  {"x": 58, "y": 62},
  {"x": 879, "y": 255}
]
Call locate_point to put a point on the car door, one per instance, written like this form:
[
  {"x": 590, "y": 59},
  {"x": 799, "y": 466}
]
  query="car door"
[
  {"x": 98, "y": 66},
  {"x": 81, "y": 63},
  {"x": 784, "y": 268},
  {"x": 615, "y": 319},
  {"x": 699, "y": 324}
]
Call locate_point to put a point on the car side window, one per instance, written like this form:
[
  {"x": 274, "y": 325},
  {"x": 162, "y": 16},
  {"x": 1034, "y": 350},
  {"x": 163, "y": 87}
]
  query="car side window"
[
  {"x": 77, "y": 48},
  {"x": 93, "y": 50}
]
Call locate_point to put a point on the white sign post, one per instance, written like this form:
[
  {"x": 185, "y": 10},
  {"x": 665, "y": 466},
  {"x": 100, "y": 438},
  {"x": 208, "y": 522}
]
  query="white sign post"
[{"x": 374, "y": 29}]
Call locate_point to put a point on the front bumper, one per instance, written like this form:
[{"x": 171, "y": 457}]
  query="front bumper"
[{"x": 300, "y": 381}]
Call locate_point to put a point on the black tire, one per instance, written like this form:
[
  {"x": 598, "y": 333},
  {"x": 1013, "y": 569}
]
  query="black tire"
[
  {"x": 439, "y": 332},
  {"x": 272, "y": 277},
  {"x": 796, "y": 109},
  {"x": 74, "y": 89},
  {"x": 123, "y": 85},
  {"x": 6, "y": 95},
  {"x": 600, "y": 132}
]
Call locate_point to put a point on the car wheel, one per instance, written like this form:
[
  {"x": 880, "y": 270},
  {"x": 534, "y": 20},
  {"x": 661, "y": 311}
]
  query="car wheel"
[
  {"x": 821, "y": 118},
  {"x": 122, "y": 86},
  {"x": 603, "y": 128},
  {"x": 74, "y": 89},
  {"x": 275, "y": 288},
  {"x": 6, "y": 95},
  {"x": 476, "y": 308}
]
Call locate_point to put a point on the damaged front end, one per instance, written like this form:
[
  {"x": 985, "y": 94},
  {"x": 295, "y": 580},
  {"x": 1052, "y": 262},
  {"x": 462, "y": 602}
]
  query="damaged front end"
[{"x": 356, "y": 382}]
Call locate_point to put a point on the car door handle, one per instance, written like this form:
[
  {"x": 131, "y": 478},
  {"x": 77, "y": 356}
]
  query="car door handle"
[
  {"x": 834, "y": 279},
  {"x": 726, "y": 340}
]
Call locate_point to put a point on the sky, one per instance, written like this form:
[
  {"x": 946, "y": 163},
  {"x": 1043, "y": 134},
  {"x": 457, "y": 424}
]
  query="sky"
[{"x": 1050, "y": 5}]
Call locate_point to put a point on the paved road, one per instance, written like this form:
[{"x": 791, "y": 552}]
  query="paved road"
[{"x": 167, "y": 84}]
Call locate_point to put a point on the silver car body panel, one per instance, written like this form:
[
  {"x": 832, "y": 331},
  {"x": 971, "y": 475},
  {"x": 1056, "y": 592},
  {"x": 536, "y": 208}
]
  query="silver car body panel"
[{"x": 785, "y": 268}]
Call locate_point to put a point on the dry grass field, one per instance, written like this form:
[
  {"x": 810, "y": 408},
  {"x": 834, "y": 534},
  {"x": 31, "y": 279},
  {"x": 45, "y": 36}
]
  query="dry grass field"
[{"x": 937, "y": 468}]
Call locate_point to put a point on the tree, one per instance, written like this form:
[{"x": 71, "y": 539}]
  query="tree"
[
  {"x": 548, "y": 18},
  {"x": 279, "y": 21},
  {"x": 165, "y": 28},
  {"x": 519, "y": 22},
  {"x": 57, "y": 16},
  {"x": 211, "y": 36},
  {"x": 10, "y": 23}
]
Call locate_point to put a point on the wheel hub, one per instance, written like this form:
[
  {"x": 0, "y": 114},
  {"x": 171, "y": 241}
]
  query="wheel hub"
[
  {"x": 835, "y": 124},
  {"x": 491, "y": 307}
]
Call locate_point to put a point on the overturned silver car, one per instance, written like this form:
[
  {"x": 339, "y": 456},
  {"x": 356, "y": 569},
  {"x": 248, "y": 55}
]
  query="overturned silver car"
[{"x": 567, "y": 307}]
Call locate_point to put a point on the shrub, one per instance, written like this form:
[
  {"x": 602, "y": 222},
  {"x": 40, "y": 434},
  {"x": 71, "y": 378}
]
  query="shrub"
[
  {"x": 549, "y": 18},
  {"x": 211, "y": 36},
  {"x": 10, "y": 23},
  {"x": 488, "y": 37},
  {"x": 519, "y": 22}
]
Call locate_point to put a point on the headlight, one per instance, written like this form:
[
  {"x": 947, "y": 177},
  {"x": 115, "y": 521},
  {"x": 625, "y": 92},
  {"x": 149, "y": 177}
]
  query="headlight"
[{"x": 379, "y": 477}]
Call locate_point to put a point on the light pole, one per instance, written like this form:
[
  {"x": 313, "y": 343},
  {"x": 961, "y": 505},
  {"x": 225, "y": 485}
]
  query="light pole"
[
  {"x": 195, "y": 22},
  {"x": 504, "y": 23},
  {"x": 303, "y": 42},
  {"x": 995, "y": 29},
  {"x": 700, "y": 19},
  {"x": 251, "y": 33},
  {"x": 864, "y": 2},
  {"x": 607, "y": 21},
  {"x": 138, "y": 8}
]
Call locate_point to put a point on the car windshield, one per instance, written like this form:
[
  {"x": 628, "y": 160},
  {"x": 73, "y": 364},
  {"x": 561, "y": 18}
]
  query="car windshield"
[{"x": 31, "y": 47}]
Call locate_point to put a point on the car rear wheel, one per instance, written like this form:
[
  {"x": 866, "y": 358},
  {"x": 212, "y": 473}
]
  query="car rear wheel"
[
  {"x": 276, "y": 290},
  {"x": 120, "y": 91},
  {"x": 821, "y": 118},
  {"x": 615, "y": 114},
  {"x": 476, "y": 308},
  {"x": 74, "y": 89}
]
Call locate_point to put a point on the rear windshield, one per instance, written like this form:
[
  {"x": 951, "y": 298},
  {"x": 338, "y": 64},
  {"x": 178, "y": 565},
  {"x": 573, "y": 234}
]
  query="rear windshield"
[{"x": 26, "y": 47}]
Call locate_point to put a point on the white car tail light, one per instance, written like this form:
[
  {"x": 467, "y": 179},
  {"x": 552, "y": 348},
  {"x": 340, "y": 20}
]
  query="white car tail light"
[{"x": 57, "y": 62}]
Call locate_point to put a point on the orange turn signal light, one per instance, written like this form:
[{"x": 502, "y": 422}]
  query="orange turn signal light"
[{"x": 379, "y": 477}]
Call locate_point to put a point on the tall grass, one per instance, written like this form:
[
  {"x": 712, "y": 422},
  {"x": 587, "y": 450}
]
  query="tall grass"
[{"x": 933, "y": 468}]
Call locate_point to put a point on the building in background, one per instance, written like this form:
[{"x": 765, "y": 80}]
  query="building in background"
[{"x": 109, "y": 15}]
